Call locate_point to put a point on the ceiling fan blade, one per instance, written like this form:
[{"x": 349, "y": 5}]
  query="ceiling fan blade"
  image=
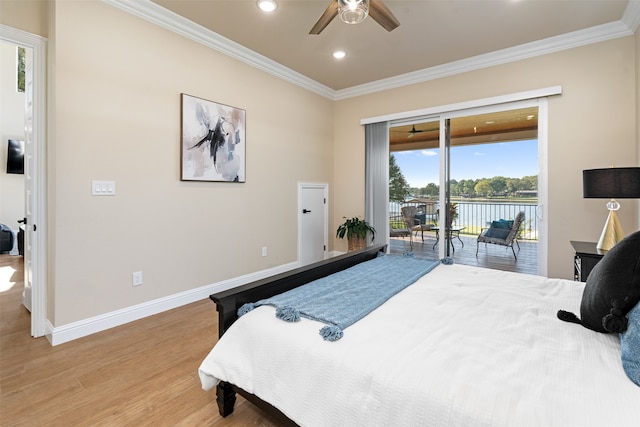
[
  {"x": 382, "y": 15},
  {"x": 328, "y": 15}
]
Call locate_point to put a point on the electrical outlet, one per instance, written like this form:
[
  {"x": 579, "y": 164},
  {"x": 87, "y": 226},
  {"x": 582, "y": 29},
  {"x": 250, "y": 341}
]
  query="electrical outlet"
[
  {"x": 136, "y": 278},
  {"x": 264, "y": 251}
]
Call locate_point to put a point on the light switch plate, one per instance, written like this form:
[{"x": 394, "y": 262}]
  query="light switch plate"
[{"x": 103, "y": 188}]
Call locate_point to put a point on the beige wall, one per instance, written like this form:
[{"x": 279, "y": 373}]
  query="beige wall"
[
  {"x": 117, "y": 107},
  {"x": 25, "y": 15},
  {"x": 592, "y": 124},
  {"x": 12, "y": 127},
  {"x": 114, "y": 115}
]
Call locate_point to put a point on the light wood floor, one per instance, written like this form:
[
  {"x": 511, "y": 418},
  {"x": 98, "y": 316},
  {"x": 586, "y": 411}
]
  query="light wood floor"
[{"x": 144, "y": 373}]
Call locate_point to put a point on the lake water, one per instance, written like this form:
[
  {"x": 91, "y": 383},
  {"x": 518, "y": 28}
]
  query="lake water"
[{"x": 477, "y": 215}]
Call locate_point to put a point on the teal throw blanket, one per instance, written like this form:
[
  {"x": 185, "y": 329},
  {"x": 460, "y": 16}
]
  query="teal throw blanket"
[{"x": 343, "y": 298}]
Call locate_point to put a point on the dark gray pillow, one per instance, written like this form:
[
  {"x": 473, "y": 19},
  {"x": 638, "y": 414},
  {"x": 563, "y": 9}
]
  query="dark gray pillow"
[{"x": 612, "y": 289}]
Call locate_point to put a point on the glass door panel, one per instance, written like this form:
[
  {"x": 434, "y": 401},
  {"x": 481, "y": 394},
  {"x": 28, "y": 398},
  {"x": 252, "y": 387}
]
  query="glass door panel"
[
  {"x": 414, "y": 185},
  {"x": 493, "y": 172},
  {"x": 482, "y": 163}
]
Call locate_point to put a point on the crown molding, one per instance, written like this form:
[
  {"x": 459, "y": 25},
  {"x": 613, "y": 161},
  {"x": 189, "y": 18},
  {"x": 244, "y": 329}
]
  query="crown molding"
[
  {"x": 158, "y": 15},
  {"x": 631, "y": 16},
  {"x": 517, "y": 53}
]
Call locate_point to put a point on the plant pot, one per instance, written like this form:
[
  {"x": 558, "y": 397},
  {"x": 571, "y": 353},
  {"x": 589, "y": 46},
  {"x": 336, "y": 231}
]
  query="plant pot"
[
  {"x": 356, "y": 243},
  {"x": 356, "y": 231}
]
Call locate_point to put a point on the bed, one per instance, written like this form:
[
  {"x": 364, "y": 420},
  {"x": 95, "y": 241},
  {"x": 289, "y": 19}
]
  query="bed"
[{"x": 461, "y": 346}]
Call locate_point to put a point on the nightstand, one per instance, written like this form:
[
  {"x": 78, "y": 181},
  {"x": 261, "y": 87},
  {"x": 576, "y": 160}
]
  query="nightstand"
[{"x": 585, "y": 258}]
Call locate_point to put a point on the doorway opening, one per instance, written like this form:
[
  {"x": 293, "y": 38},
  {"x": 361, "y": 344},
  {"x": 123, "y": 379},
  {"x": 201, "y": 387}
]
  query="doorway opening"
[
  {"x": 492, "y": 168},
  {"x": 35, "y": 261}
]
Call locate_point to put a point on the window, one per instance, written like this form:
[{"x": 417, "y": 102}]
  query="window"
[{"x": 21, "y": 69}]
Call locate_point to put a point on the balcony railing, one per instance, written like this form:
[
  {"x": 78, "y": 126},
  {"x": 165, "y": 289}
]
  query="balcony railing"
[{"x": 476, "y": 215}]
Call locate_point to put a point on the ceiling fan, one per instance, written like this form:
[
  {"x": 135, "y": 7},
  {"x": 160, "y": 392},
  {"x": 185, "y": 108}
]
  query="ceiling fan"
[
  {"x": 355, "y": 11},
  {"x": 411, "y": 133}
]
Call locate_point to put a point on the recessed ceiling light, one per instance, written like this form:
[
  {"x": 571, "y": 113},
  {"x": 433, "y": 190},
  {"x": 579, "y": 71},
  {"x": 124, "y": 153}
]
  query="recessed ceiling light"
[
  {"x": 267, "y": 5},
  {"x": 339, "y": 54}
]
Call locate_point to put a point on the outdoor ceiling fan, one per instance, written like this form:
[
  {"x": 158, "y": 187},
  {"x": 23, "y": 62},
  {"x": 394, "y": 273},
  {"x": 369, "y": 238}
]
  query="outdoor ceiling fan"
[
  {"x": 411, "y": 133},
  {"x": 354, "y": 12}
]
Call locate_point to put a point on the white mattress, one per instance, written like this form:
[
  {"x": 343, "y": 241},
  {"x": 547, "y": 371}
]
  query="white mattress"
[{"x": 463, "y": 346}]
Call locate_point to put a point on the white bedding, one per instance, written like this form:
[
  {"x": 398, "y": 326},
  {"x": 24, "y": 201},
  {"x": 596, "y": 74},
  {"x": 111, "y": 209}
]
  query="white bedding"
[{"x": 463, "y": 346}]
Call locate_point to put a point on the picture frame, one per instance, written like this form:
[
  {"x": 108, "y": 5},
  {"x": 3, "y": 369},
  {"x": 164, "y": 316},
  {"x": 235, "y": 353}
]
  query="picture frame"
[{"x": 213, "y": 141}]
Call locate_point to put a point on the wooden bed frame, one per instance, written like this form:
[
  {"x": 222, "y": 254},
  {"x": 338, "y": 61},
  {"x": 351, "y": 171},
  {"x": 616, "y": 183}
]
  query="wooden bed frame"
[{"x": 228, "y": 302}]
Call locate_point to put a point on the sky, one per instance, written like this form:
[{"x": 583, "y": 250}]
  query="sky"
[{"x": 508, "y": 159}]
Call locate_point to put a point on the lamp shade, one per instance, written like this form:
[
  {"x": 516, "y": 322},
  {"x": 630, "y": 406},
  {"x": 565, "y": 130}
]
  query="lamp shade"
[{"x": 611, "y": 183}]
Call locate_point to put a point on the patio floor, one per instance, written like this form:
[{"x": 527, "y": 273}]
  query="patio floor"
[{"x": 491, "y": 256}]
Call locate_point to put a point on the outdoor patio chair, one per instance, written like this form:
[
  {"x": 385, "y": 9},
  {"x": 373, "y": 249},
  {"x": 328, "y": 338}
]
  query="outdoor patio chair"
[
  {"x": 428, "y": 213},
  {"x": 414, "y": 222},
  {"x": 410, "y": 220},
  {"x": 397, "y": 227},
  {"x": 502, "y": 232}
]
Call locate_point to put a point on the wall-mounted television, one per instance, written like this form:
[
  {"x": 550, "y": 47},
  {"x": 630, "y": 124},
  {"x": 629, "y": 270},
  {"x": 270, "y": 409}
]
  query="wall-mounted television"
[{"x": 15, "y": 156}]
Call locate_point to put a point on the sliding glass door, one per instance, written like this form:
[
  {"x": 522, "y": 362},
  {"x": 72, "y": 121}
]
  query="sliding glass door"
[
  {"x": 493, "y": 169},
  {"x": 462, "y": 170}
]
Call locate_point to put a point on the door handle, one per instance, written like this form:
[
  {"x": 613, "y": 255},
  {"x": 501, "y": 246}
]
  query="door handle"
[{"x": 305, "y": 211}]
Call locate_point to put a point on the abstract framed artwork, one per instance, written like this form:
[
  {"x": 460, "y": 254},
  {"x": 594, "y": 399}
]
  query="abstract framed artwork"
[{"x": 213, "y": 141}]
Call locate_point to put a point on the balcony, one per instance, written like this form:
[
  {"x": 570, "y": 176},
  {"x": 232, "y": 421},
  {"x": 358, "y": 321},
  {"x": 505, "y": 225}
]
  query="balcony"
[{"x": 473, "y": 216}]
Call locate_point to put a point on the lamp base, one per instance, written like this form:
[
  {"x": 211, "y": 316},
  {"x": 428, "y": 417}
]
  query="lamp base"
[{"x": 611, "y": 233}]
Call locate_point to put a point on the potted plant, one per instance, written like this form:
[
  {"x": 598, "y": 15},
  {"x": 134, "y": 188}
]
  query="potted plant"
[
  {"x": 453, "y": 213},
  {"x": 356, "y": 230}
]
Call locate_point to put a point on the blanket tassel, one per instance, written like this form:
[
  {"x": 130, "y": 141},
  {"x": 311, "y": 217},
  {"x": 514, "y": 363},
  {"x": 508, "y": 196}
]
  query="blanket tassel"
[
  {"x": 331, "y": 333},
  {"x": 288, "y": 314}
]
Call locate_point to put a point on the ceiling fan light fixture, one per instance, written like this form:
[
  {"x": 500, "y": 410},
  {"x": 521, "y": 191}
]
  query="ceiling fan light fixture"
[
  {"x": 267, "y": 5},
  {"x": 353, "y": 11}
]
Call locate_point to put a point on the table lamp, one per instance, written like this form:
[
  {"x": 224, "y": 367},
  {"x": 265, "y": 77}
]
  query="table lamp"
[{"x": 611, "y": 183}]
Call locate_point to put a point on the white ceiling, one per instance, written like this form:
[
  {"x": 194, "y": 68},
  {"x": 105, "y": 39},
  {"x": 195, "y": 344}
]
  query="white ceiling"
[{"x": 434, "y": 36}]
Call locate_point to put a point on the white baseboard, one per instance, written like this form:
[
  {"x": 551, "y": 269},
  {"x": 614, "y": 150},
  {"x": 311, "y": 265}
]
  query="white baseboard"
[{"x": 92, "y": 325}]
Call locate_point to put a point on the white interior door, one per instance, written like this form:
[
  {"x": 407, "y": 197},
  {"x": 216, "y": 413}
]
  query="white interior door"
[
  {"x": 312, "y": 222},
  {"x": 28, "y": 185},
  {"x": 35, "y": 257}
]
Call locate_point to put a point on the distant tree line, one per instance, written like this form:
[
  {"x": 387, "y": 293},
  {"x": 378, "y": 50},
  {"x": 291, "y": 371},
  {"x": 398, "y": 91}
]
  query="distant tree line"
[{"x": 498, "y": 186}]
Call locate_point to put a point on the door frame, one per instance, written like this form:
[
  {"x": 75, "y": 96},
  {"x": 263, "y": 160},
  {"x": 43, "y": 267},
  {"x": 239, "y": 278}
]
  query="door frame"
[
  {"x": 38, "y": 44},
  {"x": 313, "y": 185},
  {"x": 536, "y": 96}
]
